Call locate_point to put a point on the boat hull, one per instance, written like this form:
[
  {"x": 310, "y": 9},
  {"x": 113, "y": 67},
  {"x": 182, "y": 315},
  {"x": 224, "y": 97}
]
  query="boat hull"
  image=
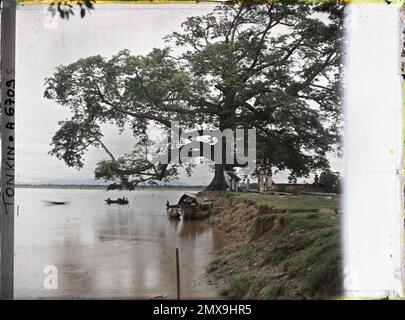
[
  {"x": 174, "y": 213},
  {"x": 116, "y": 201},
  {"x": 195, "y": 213}
]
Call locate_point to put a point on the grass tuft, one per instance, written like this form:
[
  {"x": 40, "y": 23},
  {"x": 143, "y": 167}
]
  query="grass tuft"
[
  {"x": 273, "y": 290},
  {"x": 239, "y": 284}
]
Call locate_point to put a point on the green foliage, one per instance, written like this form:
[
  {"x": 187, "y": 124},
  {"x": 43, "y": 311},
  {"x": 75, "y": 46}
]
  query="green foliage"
[
  {"x": 65, "y": 9},
  {"x": 106, "y": 170},
  {"x": 300, "y": 227},
  {"x": 329, "y": 181},
  {"x": 324, "y": 263},
  {"x": 273, "y": 290},
  {"x": 239, "y": 285},
  {"x": 234, "y": 70},
  {"x": 263, "y": 224},
  {"x": 213, "y": 266},
  {"x": 73, "y": 139},
  {"x": 309, "y": 249}
]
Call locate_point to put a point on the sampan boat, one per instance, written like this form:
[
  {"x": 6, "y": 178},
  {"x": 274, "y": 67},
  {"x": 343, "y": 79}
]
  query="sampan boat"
[
  {"x": 174, "y": 212},
  {"x": 194, "y": 207},
  {"x": 117, "y": 201}
]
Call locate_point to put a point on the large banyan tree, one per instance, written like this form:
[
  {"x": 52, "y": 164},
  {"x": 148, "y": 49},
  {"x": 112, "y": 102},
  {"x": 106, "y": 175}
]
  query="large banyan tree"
[{"x": 273, "y": 67}]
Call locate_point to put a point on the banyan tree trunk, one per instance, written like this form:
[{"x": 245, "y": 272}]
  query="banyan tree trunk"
[{"x": 218, "y": 183}]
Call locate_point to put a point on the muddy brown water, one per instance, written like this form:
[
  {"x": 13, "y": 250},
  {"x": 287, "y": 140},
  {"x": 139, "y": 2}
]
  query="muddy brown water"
[{"x": 109, "y": 251}]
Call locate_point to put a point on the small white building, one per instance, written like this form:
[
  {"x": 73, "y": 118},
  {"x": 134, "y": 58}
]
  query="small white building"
[
  {"x": 232, "y": 180},
  {"x": 264, "y": 181}
]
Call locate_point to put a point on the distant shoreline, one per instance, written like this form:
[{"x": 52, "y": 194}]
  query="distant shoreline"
[{"x": 103, "y": 187}]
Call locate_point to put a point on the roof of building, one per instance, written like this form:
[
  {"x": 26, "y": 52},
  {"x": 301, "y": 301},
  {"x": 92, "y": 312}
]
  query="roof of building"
[
  {"x": 192, "y": 198},
  {"x": 232, "y": 175}
]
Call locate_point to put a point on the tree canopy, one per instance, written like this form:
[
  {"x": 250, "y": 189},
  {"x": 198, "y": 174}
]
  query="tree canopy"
[{"x": 274, "y": 67}]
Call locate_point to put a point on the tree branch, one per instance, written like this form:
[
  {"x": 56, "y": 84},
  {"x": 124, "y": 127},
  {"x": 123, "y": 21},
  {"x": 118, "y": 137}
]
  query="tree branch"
[{"x": 106, "y": 149}]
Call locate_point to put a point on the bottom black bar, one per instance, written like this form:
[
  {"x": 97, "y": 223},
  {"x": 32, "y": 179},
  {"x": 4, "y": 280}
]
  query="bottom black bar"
[{"x": 200, "y": 309}]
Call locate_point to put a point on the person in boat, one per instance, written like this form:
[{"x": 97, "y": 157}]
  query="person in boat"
[{"x": 167, "y": 204}]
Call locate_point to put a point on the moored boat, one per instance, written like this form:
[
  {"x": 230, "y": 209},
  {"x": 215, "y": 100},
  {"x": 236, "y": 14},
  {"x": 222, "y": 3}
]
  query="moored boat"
[
  {"x": 122, "y": 200},
  {"x": 173, "y": 211},
  {"x": 56, "y": 203},
  {"x": 194, "y": 207}
]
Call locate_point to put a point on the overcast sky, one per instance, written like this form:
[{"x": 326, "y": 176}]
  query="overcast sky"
[{"x": 44, "y": 43}]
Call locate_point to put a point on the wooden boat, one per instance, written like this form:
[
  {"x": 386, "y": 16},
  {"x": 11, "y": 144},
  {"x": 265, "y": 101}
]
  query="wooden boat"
[
  {"x": 117, "y": 201},
  {"x": 56, "y": 203},
  {"x": 194, "y": 207},
  {"x": 197, "y": 214},
  {"x": 173, "y": 211}
]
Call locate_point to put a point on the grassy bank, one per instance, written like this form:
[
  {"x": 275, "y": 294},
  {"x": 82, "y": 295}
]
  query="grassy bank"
[
  {"x": 292, "y": 253},
  {"x": 289, "y": 201}
]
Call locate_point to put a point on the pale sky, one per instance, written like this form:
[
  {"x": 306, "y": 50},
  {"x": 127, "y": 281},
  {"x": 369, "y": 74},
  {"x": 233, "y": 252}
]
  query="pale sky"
[{"x": 43, "y": 43}]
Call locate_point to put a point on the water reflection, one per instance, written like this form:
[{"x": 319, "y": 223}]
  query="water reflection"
[{"x": 109, "y": 251}]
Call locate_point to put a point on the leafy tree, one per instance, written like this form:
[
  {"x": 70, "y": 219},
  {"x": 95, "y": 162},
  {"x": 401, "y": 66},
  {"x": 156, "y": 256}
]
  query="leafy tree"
[
  {"x": 273, "y": 67},
  {"x": 65, "y": 8},
  {"x": 329, "y": 181},
  {"x": 316, "y": 180}
]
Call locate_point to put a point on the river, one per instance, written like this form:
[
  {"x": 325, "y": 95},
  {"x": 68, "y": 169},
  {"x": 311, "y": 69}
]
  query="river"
[{"x": 93, "y": 250}]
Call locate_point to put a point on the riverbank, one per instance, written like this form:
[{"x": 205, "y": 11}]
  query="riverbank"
[{"x": 283, "y": 246}]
